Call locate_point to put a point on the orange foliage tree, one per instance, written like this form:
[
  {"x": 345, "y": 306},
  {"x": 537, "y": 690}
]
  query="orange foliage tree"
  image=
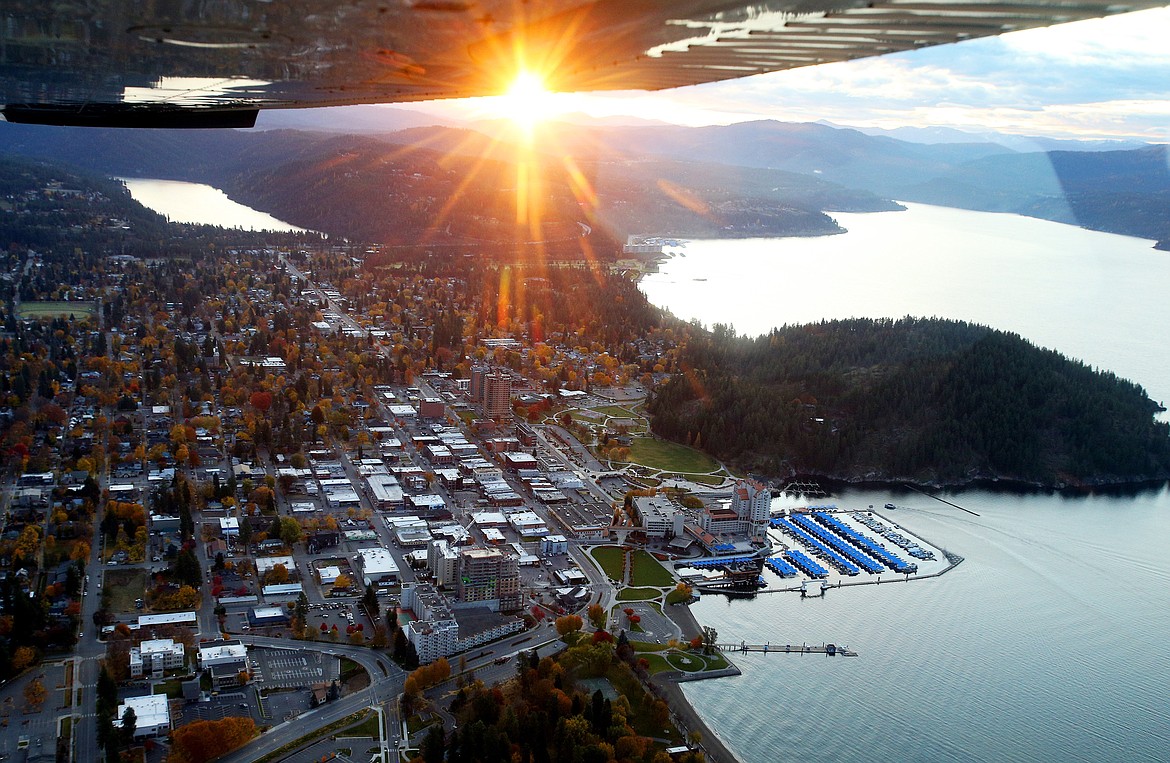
[{"x": 201, "y": 741}]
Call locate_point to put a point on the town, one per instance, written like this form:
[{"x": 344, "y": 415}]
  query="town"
[{"x": 314, "y": 490}]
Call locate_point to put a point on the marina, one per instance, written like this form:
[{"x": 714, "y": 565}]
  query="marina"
[{"x": 818, "y": 548}]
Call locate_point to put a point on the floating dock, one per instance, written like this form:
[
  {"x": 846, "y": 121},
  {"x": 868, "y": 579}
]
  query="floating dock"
[{"x": 830, "y": 650}]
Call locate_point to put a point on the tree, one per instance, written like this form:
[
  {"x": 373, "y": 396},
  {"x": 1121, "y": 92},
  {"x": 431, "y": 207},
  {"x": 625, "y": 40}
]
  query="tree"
[
  {"x": 129, "y": 726},
  {"x": 187, "y": 568},
  {"x": 597, "y": 616},
  {"x": 709, "y": 637},
  {"x": 370, "y": 602},
  {"x": 290, "y": 531},
  {"x": 432, "y": 746},
  {"x": 23, "y": 657},
  {"x": 568, "y": 624},
  {"x": 35, "y": 694},
  {"x": 261, "y": 401},
  {"x": 107, "y": 691},
  {"x": 200, "y": 741}
]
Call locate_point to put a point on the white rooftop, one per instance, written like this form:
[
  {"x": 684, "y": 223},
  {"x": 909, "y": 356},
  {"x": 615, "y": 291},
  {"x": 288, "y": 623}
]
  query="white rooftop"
[
  {"x": 377, "y": 561},
  {"x": 150, "y": 711},
  {"x": 265, "y": 563},
  {"x": 222, "y": 652}
]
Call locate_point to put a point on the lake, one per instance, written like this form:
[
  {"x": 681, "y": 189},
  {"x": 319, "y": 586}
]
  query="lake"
[
  {"x": 184, "y": 202},
  {"x": 1093, "y": 296},
  {"x": 1048, "y": 642}
]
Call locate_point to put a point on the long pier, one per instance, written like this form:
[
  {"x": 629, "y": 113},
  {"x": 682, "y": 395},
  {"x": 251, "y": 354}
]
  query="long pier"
[{"x": 829, "y": 649}]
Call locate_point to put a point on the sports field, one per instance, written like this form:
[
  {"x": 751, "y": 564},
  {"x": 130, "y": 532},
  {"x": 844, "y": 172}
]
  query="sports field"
[{"x": 79, "y": 310}]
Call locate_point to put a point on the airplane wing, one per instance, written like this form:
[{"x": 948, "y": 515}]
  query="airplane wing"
[{"x": 214, "y": 63}]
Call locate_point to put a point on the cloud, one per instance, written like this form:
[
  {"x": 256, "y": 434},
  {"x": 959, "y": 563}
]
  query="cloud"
[
  {"x": 1100, "y": 78},
  {"x": 1105, "y": 78}
]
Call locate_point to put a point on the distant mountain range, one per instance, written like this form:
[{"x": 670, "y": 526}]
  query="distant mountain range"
[{"x": 752, "y": 178}]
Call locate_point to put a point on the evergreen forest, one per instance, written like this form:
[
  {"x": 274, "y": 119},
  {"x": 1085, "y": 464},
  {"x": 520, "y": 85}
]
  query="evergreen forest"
[{"x": 921, "y": 400}]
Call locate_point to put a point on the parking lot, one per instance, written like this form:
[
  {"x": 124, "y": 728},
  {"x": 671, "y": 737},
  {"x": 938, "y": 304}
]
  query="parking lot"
[
  {"x": 286, "y": 668},
  {"x": 236, "y": 703}
]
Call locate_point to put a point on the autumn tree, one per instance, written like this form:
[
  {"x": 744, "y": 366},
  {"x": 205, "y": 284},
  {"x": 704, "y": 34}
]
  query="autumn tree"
[
  {"x": 568, "y": 624},
  {"x": 201, "y": 741},
  {"x": 597, "y": 616},
  {"x": 23, "y": 657},
  {"x": 35, "y": 695}
]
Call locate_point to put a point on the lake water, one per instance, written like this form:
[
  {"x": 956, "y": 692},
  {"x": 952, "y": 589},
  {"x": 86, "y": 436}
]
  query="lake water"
[
  {"x": 1093, "y": 296},
  {"x": 183, "y": 202},
  {"x": 1049, "y": 642}
]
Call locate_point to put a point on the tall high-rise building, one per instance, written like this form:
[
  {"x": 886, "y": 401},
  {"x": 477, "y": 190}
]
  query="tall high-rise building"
[
  {"x": 752, "y": 503},
  {"x": 497, "y": 395},
  {"x": 475, "y": 391},
  {"x": 490, "y": 576}
]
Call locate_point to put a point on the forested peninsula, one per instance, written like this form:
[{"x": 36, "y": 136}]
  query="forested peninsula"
[{"x": 927, "y": 401}]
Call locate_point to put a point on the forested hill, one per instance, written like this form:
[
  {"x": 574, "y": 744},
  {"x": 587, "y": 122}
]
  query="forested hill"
[{"x": 926, "y": 401}]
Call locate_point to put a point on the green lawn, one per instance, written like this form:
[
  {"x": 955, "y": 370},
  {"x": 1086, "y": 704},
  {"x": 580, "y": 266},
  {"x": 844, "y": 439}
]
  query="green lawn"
[
  {"x": 172, "y": 687},
  {"x": 48, "y": 309},
  {"x": 638, "y": 594},
  {"x": 706, "y": 479},
  {"x": 367, "y": 728},
  {"x": 670, "y": 456},
  {"x": 612, "y": 561},
  {"x": 673, "y": 660},
  {"x": 615, "y": 410},
  {"x": 687, "y": 663},
  {"x": 658, "y": 663},
  {"x": 648, "y": 572}
]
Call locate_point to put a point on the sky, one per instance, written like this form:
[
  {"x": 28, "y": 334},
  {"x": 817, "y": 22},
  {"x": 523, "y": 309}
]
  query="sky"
[{"x": 1099, "y": 79}]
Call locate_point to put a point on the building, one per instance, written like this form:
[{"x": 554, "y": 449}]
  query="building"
[
  {"x": 339, "y": 494},
  {"x": 475, "y": 388},
  {"x": 167, "y": 618},
  {"x": 443, "y": 562},
  {"x": 225, "y": 660},
  {"x": 321, "y": 540},
  {"x": 528, "y": 524},
  {"x": 229, "y": 527},
  {"x": 152, "y": 715},
  {"x": 155, "y": 656},
  {"x": 409, "y": 531},
  {"x": 753, "y": 503},
  {"x": 489, "y": 576},
  {"x": 497, "y": 395},
  {"x": 747, "y": 514},
  {"x": 441, "y": 631},
  {"x": 552, "y": 545},
  {"x": 435, "y": 632},
  {"x": 384, "y": 491},
  {"x": 259, "y": 617},
  {"x": 658, "y": 517},
  {"x": 377, "y": 567}
]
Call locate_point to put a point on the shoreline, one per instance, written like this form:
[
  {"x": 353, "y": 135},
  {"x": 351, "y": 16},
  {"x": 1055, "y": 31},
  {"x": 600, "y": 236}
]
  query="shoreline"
[{"x": 684, "y": 715}]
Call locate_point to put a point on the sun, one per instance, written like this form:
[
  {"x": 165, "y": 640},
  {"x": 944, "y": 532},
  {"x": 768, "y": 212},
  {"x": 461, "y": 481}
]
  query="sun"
[{"x": 527, "y": 101}]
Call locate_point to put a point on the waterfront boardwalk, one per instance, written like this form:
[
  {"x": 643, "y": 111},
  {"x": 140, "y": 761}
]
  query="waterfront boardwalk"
[{"x": 829, "y": 649}]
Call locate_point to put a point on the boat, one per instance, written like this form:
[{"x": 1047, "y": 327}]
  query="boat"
[{"x": 891, "y": 506}]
